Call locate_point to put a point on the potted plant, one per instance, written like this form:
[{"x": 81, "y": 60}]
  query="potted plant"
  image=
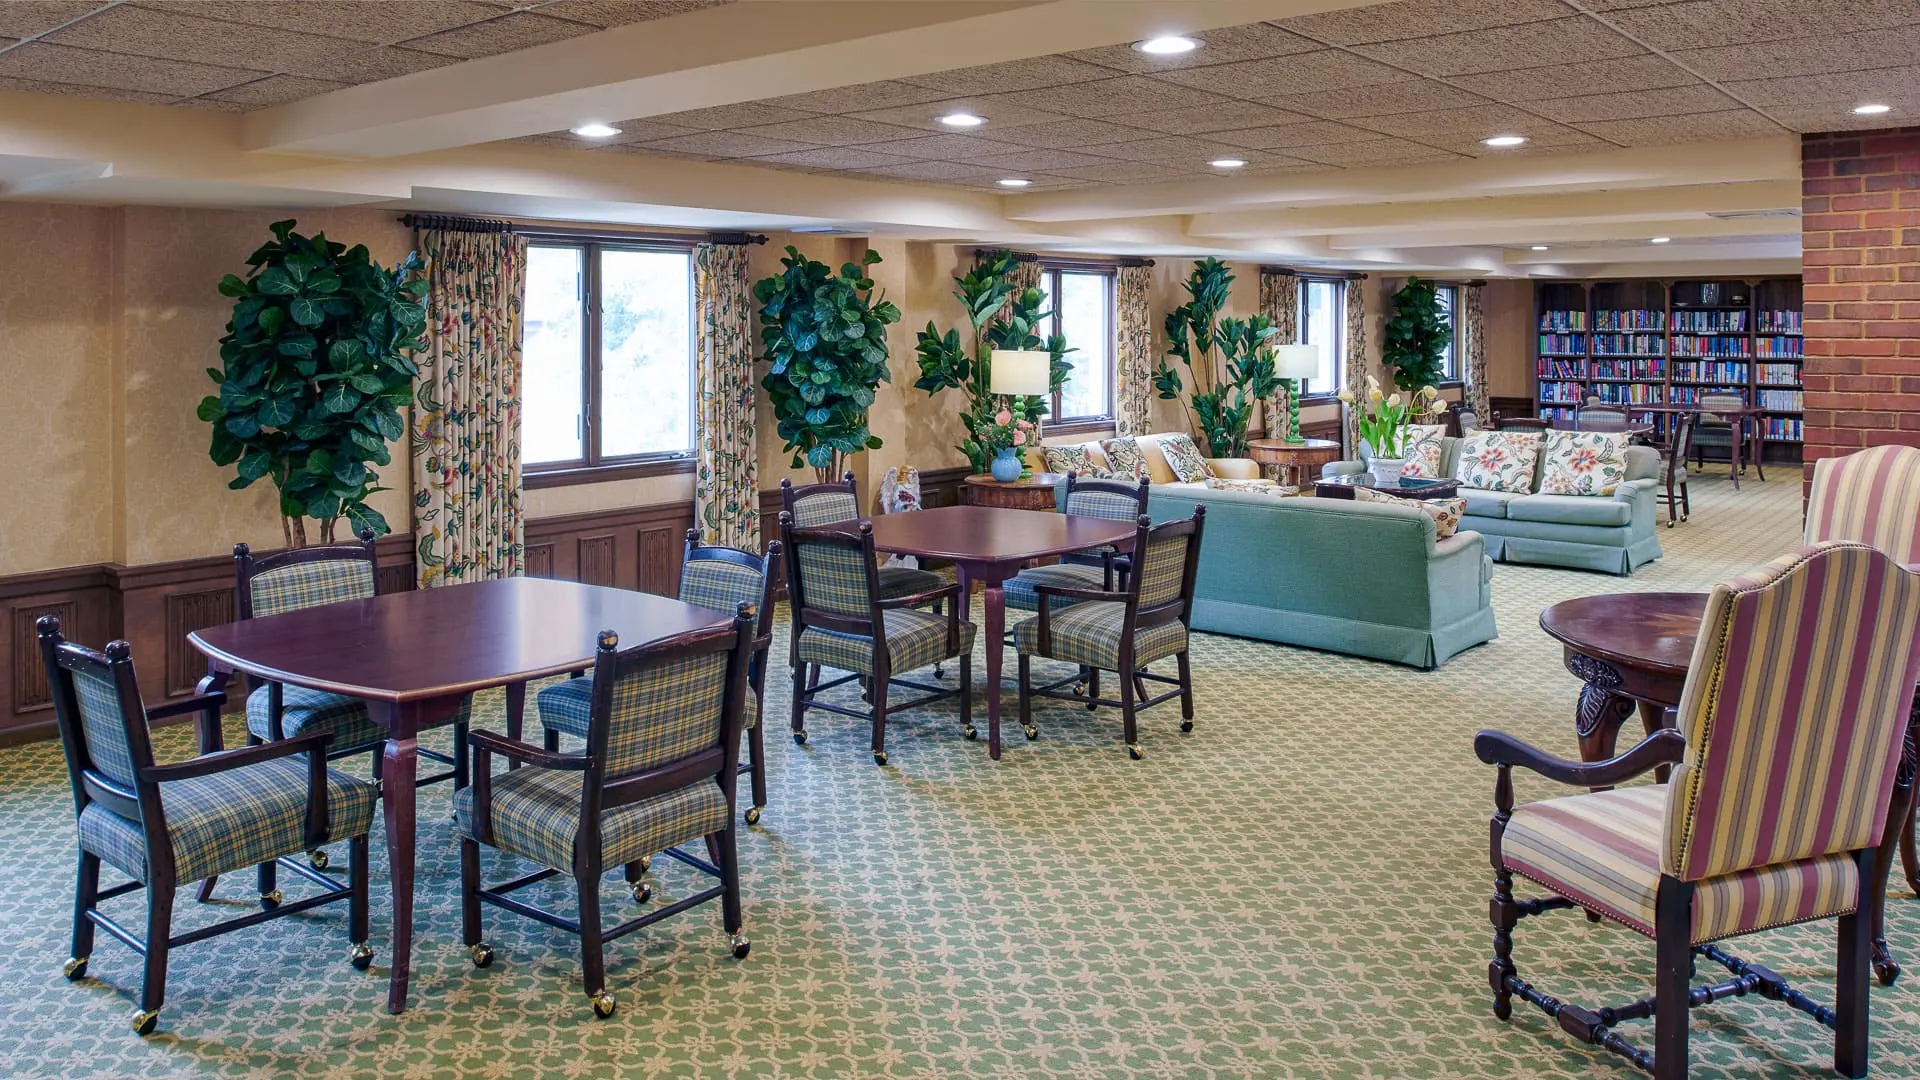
[
  {"x": 1384, "y": 420},
  {"x": 1003, "y": 435},
  {"x": 1414, "y": 345},
  {"x": 825, "y": 340},
  {"x": 314, "y": 372},
  {"x": 1228, "y": 360},
  {"x": 1002, "y": 316}
]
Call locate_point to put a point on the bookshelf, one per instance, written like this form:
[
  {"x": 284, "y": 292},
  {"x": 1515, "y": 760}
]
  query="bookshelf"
[{"x": 1647, "y": 342}]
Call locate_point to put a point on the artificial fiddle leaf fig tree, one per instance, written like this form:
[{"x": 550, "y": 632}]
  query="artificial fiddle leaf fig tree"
[
  {"x": 314, "y": 372},
  {"x": 1414, "y": 344},
  {"x": 824, "y": 337},
  {"x": 1229, "y": 360}
]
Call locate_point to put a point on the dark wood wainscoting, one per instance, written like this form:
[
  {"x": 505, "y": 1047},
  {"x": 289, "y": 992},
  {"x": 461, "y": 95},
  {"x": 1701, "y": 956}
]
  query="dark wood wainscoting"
[
  {"x": 1509, "y": 406},
  {"x": 938, "y": 487}
]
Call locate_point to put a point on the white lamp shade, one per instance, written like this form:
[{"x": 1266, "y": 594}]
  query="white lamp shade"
[
  {"x": 1020, "y": 372},
  {"x": 1296, "y": 361}
]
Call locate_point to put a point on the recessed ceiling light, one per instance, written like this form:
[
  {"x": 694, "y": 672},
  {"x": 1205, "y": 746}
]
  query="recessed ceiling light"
[
  {"x": 1169, "y": 45},
  {"x": 1503, "y": 141},
  {"x": 1015, "y": 181},
  {"x": 596, "y": 131},
  {"x": 1227, "y": 163},
  {"x": 1661, "y": 240},
  {"x": 962, "y": 120},
  {"x": 1871, "y": 110},
  {"x": 1539, "y": 247}
]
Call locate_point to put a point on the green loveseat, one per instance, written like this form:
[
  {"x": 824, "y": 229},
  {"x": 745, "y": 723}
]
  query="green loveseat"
[
  {"x": 1363, "y": 579},
  {"x": 1612, "y": 533}
]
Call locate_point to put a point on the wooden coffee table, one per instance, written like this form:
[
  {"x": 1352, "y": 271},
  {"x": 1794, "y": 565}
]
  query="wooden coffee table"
[
  {"x": 1034, "y": 492},
  {"x": 1341, "y": 487},
  {"x": 1294, "y": 458}
]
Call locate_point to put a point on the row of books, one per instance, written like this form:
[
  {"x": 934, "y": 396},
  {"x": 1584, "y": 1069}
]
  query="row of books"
[
  {"x": 1777, "y": 374},
  {"x": 1644, "y": 368},
  {"x": 1629, "y": 393},
  {"x": 1711, "y": 346},
  {"x": 1560, "y": 369},
  {"x": 1777, "y": 347},
  {"x": 1710, "y": 322},
  {"x": 1776, "y": 322},
  {"x": 1628, "y": 344},
  {"x": 1638, "y": 319},
  {"x": 1563, "y": 343},
  {"x": 1693, "y": 371},
  {"x": 1780, "y": 427},
  {"x": 1562, "y": 321},
  {"x": 1782, "y": 400},
  {"x": 1558, "y": 416},
  {"x": 1562, "y": 393}
]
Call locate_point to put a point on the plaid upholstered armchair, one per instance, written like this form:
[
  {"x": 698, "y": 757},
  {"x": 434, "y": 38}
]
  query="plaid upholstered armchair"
[
  {"x": 1114, "y": 500},
  {"x": 169, "y": 825},
  {"x": 659, "y": 770},
  {"x": 1120, "y": 630},
  {"x": 1791, "y": 723},
  {"x": 715, "y": 577}
]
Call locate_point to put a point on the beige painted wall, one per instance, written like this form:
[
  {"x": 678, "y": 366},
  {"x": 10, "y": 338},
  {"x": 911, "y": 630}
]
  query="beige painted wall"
[{"x": 1508, "y": 306}]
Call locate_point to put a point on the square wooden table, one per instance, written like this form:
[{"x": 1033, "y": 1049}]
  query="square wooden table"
[{"x": 412, "y": 657}]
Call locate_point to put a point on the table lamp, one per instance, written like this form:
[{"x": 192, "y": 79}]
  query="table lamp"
[
  {"x": 1021, "y": 373},
  {"x": 1293, "y": 363}
]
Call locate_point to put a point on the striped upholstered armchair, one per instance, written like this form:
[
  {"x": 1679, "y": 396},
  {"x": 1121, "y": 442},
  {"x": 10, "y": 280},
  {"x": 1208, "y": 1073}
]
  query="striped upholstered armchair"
[
  {"x": 1872, "y": 498},
  {"x": 1791, "y": 723}
]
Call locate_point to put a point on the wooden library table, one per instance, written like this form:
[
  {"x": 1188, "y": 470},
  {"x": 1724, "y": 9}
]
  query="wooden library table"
[
  {"x": 1294, "y": 458},
  {"x": 1034, "y": 492}
]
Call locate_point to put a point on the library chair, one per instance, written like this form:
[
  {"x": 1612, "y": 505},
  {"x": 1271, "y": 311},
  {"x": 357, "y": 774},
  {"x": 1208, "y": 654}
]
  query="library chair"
[
  {"x": 1602, "y": 417},
  {"x": 1099, "y": 568},
  {"x": 1673, "y": 468},
  {"x": 1718, "y": 430}
]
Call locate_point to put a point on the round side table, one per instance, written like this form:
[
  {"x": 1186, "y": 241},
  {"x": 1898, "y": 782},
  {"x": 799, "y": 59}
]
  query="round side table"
[
  {"x": 1033, "y": 492},
  {"x": 1294, "y": 458}
]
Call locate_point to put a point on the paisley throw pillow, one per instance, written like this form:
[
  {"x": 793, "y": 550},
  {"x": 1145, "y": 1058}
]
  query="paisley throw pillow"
[
  {"x": 1423, "y": 452},
  {"x": 1583, "y": 462},
  {"x": 1498, "y": 460},
  {"x": 1446, "y": 513},
  {"x": 1188, "y": 464},
  {"x": 1125, "y": 455},
  {"x": 1082, "y": 458}
]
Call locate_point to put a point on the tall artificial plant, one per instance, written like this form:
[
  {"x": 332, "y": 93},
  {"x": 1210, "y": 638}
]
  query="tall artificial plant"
[
  {"x": 1414, "y": 345},
  {"x": 314, "y": 372},
  {"x": 825, "y": 339},
  {"x": 1002, "y": 316},
  {"x": 1229, "y": 360}
]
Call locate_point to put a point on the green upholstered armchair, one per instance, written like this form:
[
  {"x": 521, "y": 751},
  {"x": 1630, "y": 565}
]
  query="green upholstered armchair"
[{"x": 1114, "y": 500}]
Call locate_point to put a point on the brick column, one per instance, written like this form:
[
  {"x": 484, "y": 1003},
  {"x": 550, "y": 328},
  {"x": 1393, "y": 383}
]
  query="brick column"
[{"x": 1860, "y": 234}]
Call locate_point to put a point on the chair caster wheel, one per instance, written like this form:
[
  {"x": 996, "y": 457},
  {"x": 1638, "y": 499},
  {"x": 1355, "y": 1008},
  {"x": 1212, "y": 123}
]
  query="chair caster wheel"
[
  {"x": 1133, "y": 751},
  {"x": 879, "y": 757},
  {"x": 1032, "y": 731},
  {"x": 144, "y": 1022},
  {"x": 482, "y": 954},
  {"x": 362, "y": 956},
  {"x": 1186, "y": 725},
  {"x": 75, "y": 969},
  {"x": 740, "y": 945},
  {"x": 939, "y": 672},
  {"x": 800, "y": 737},
  {"x": 317, "y": 859},
  {"x": 603, "y": 1004},
  {"x": 641, "y": 891},
  {"x": 270, "y": 901},
  {"x": 646, "y": 863},
  {"x": 1080, "y": 688},
  {"x": 753, "y": 815},
  {"x": 970, "y": 732},
  {"x": 1888, "y": 973}
]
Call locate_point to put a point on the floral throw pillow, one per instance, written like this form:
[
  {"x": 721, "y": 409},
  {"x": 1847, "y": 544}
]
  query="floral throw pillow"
[
  {"x": 1078, "y": 458},
  {"x": 1446, "y": 513},
  {"x": 1126, "y": 456},
  {"x": 1264, "y": 487},
  {"x": 1583, "y": 462},
  {"x": 1185, "y": 459},
  {"x": 1498, "y": 460},
  {"x": 1423, "y": 452}
]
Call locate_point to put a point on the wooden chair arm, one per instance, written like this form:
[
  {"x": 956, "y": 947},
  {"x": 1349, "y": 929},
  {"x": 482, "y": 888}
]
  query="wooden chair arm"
[
  {"x": 1077, "y": 594},
  {"x": 919, "y": 598},
  {"x": 214, "y": 699},
  {"x": 487, "y": 742},
  {"x": 1663, "y": 747},
  {"x": 239, "y": 757}
]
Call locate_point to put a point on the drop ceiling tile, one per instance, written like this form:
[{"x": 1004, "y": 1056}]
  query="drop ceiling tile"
[
  {"x": 1040, "y": 160},
  {"x": 936, "y": 170},
  {"x": 1041, "y": 182},
  {"x": 1312, "y": 133},
  {"x": 276, "y": 90},
  {"x": 1420, "y": 18},
  {"x": 1377, "y": 152},
  {"x": 1480, "y": 121},
  {"x": 945, "y": 147},
  {"x": 727, "y": 144},
  {"x": 1619, "y": 5},
  {"x": 380, "y": 21},
  {"x": 508, "y": 33},
  {"x": 25, "y": 18},
  {"x": 1029, "y": 74},
  {"x": 745, "y": 114},
  {"x": 644, "y": 150},
  {"x": 841, "y": 100},
  {"x": 605, "y": 13},
  {"x": 1694, "y": 24},
  {"x": 1698, "y": 127},
  {"x": 1001, "y": 112},
  {"x": 1126, "y": 172},
  {"x": 370, "y": 65},
  {"x": 35, "y": 86},
  {"x": 644, "y": 129},
  {"x": 1263, "y": 80},
  {"x": 1117, "y": 97},
  {"x": 833, "y": 157},
  {"x": 1221, "y": 46},
  {"x": 90, "y": 67},
  {"x": 1894, "y": 86},
  {"x": 1067, "y": 134},
  {"x": 557, "y": 140},
  {"x": 1889, "y": 47},
  {"x": 1189, "y": 154},
  {"x": 1807, "y": 118},
  {"x": 831, "y": 131},
  {"x": 1384, "y": 99},
  {"x": 1574, "y": 80},
  {"x": 1635, "y": 104},
  {"x": 1562, "y": 41},
  {"x": 180, "y": 37},
  {"x": 1549, "y": 140},
  {"x": 1216, "y": 116}
]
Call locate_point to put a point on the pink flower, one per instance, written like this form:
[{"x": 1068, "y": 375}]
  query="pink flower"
[
  {"x": 1019, "y": 438},
  {"x": 1584, "y": 460},
  {"x": 1003, "y": 418}
]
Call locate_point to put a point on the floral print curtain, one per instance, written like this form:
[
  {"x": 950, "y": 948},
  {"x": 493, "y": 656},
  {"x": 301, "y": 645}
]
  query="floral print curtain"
[
  {"x": 1133, "y": 354},
  {"x": 1279, "y": 301},
  {"x": 1355, "y": 376},
  {"x": 466, "y": 410},
  {"x": 1473, "y": 352},
  {"x": 726, "y": 496}
]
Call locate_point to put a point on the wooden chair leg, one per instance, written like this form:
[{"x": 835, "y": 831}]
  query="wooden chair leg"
[
  {"x": 966, "y": 690},
  {"x": 798, "y": 722},
  {"x": 1853, "y": 974},
  {"x": 1186, "y": 691},
  {"x": 1025, "y": 678},
  {"x": 1686, "y": 504},
  {"x": 153, "y": 987},
  {"x": 1093, "y": 689},
  {"x": 470, "y": 925},
  {"x": 550, "y": 739},
  {"x": 882, "y": 677},
  {"x": 361, "y": 953},
  {"x": 1673, "y": 951},
  {"x": 1505, "y": 915},
  {"x": 1129, "y": 729},
  {"x": 730, "y": 914},
  {"x": 462, "y": 760},
  {"x": 593, "y": 958},
  {"x": 86, "y": 893},
  {"x": 635, "y": 874},
  {"x": 1139, "y": 687},
  {"x": 269, "y": 877},
  {"x": 757, "y": 765}
]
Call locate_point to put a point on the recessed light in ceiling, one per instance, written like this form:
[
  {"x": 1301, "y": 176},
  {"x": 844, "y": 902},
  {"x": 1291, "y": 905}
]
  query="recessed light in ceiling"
[
  {"x": 1168, "y": 45},
  {"x": 962, "y": 120},
  {"x": 1661, "y": 240},
  {"x": 1871, "y": 110},
  {"x": 1015, "y": 181},
  {"x": 1539, "y": 247},
  {"x": 1501, "y": 142},
  {"x": 1227, "y": 163},
  {"x": 596, "y": 131}
]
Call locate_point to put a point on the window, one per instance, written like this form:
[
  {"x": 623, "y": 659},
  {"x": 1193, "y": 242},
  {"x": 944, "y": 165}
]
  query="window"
[
  {"x": 1082, "y": 305},
  {"x": 1322, "y": 324},
  {"x": 607, "y": 368},
  {"x": 1450, "y": 363}
]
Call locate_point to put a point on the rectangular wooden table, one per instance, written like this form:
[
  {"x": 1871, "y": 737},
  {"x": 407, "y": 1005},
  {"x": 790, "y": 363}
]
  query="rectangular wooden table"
[
  {"x": 1744, "y": 421},
  {"x": 412, "y": 657},
  {"x": 988, "y": 545}
]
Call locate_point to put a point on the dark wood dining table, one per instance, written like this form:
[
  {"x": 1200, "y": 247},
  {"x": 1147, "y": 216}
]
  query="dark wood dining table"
[
  {"x": 412, "y": 657},
  {"x": 987, "y": 545},
  {"x": 1746, "y": 430},
  {"x": 1631, "y": 652}
]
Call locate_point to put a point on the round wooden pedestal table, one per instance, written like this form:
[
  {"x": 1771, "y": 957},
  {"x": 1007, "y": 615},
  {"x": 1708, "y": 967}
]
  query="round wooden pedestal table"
[
  {"x": 1032, "y": 492},
  {"x": 1294, "y": 458}
]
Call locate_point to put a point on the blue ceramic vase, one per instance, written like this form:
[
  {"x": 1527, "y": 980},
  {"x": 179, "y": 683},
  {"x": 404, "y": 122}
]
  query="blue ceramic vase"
[{"x": 1006, "y": 465}]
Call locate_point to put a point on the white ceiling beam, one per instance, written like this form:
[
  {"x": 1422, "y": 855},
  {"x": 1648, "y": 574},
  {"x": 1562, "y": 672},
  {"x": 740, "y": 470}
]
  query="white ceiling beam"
[
  {"x": 1652, "y": 254},
  {"x": 1679, "y": 229}
]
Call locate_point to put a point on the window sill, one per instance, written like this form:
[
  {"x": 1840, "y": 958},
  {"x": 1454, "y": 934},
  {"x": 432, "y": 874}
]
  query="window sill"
[
  {"x": 1078, "y": 426},
  {"x": 598, "y": 474},
  {"x": 1319, "y": 399}
]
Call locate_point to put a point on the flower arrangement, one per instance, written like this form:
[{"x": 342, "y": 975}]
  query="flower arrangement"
[
  {"x": 1385, "y": 418},
  {"x": 1003, "y": 431}
]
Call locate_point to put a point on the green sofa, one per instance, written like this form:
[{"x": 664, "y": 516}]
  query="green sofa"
[
  {"x": 1613, "y": 534},
  {"x": 1363, "y": 579}
]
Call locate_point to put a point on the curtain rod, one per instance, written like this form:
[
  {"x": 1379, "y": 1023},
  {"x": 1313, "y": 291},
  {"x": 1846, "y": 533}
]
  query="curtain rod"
[
  {"x": 1286, "y": 271},
  {"x": 450, "y": 223},
  {"x": 493, "y": 225}
]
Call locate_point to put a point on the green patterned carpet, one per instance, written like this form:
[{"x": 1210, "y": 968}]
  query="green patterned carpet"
[{"x": 1297, "y": 888}]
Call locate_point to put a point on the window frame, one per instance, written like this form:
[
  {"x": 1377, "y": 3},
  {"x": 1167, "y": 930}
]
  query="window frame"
[
  {"x": 593, "y": 466},
  {"x": 1450, "y": 368},
  {"x": 1340, "y": 285},
  {"x": 1055, "y": 424}
]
